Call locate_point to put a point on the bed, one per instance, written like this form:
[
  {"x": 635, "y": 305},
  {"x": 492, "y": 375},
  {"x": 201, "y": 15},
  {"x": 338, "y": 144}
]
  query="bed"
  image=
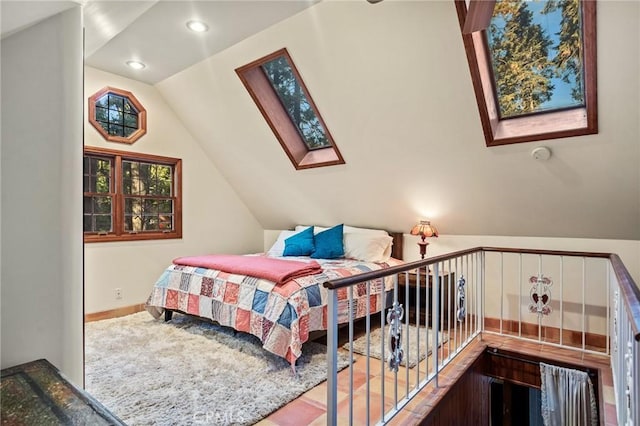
[{"x": 281, "y": 314}]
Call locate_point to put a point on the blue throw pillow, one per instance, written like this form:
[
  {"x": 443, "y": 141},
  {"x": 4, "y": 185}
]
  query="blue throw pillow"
[
  {"x": 329, "y": 244},
  {"x": 300, "y": 244}
]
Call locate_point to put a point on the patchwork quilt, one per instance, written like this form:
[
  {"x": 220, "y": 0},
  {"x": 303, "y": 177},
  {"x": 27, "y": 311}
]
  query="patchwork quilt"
[{"x": 280, "y": 315}]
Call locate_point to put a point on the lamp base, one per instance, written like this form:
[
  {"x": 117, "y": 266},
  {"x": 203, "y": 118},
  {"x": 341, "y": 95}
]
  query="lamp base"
[{"x": 423, "y": 248}]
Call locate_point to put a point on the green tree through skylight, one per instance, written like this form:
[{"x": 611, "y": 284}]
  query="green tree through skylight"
[
  {"x": 294, "y": 100},
  {"x": 536, "y": 52}
]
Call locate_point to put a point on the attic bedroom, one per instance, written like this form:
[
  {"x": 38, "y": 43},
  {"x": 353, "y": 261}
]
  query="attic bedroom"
[{"x": 395, "y": 91}]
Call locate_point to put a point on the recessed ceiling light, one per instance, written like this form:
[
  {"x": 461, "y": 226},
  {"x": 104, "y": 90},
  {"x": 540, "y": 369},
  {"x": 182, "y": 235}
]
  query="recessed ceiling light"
[
  {"x": 197, "y": 26},
  {"x": 136, "y": 65}
]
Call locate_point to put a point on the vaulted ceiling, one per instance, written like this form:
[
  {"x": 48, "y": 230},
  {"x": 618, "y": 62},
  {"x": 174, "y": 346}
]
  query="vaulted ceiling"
[{"x": 392, "y": 83}]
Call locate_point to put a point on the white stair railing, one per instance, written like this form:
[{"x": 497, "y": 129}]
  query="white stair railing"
[{"x": 583, "y": 301}]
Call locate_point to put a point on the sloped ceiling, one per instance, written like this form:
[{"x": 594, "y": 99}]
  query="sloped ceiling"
[
  {"x": 155, "y": 32},
  {"x": 17, "y": 15},
  {"x": 392, "y": 83}
]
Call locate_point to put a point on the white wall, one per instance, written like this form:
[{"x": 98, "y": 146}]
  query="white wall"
[
  {"x": 629, "y": 251},
  {"x": 506, "y": 273},
  {"x": 41, "y": 170},
  {"x": 214, "y": 219},
  {"x": 392, "y": 82}
]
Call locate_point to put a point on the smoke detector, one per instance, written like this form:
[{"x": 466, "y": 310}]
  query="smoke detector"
[{"x": 541, "y": 153}]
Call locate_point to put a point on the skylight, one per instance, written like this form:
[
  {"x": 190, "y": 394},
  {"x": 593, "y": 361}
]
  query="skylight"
[
  {"x": 533, "y": 69},
  {"x": 537, "y": 56},
  {"x": 295, "y": 101},
  {"x": 277, "y": 88}
]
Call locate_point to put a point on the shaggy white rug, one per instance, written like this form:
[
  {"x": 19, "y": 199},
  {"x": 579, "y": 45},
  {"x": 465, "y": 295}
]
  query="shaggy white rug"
[
  {"x": 187, "y": 371},
  {"x": 410, "y": 353}
]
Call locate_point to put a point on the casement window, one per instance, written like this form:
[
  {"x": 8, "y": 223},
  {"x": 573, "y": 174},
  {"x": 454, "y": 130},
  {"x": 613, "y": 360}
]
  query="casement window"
[
  {"x": 117, "y": 115},
  {"x": 276, "y": 87},
  {"x": 131, "y": 196},
  {"x": 533, "y": 67}
]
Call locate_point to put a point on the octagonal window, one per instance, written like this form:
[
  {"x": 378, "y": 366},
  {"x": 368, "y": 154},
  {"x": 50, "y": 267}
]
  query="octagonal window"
[{"x": 117, "y": 115}]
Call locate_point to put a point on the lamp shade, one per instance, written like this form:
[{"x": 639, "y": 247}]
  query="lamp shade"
[{"x": 424, "y": 229}]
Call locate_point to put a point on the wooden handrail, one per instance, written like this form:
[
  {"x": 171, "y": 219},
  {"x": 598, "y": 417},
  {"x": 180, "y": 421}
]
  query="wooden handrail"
[
  {"x": 629, "y": 290},
  {"x": 630, "y": 293},
  {"x": 405, "y": 267}
]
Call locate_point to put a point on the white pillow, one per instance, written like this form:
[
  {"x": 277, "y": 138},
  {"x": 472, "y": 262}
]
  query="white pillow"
[
  {"x": 346, "y": 229},
  {"x": 350, "y": 229},
  {"x": 277, "y": 249},
  {"x": 316, "y": 229},
  {"x": 367, "y": 246}
]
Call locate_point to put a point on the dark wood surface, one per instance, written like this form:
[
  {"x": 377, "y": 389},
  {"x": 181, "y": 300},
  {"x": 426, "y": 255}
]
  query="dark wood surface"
[
  {"x": 37, "y": 394},
  {"x": 408, "y": 285},
  {"x": 466, "y": 402}
]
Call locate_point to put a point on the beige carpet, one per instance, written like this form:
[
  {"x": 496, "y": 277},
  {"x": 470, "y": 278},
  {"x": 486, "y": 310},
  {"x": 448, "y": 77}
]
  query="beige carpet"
[
  {"x": 185, "y": 372},
  {"x": 410, "y": 351}
]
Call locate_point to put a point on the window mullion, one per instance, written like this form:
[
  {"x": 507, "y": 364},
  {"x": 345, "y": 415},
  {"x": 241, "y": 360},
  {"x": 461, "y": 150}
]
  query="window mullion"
[{"x": 118, "y": 223}]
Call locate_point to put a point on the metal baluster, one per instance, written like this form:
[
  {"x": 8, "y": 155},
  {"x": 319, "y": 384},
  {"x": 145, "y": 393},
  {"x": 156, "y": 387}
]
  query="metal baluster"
[{"x": 332, "y": 358}]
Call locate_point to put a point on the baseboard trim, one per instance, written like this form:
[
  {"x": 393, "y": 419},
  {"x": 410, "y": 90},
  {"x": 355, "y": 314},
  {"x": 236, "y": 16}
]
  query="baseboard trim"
[
  {"x": 549, "y": 334},
  {"x": 114, "y": 313}
]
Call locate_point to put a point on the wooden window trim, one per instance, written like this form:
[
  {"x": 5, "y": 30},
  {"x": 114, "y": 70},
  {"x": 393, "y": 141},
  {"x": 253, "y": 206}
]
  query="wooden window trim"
[
  {"x": 269, "y": 104},
  {"x": 542, "y": 126},
  {"x": 118, "y": 233},
  {"x": 142, "y": 115}
]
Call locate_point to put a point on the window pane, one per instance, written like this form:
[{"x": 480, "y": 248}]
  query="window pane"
[
  {"x": 87, "y": 223},
  {"x": 102, "y": 204},
  {"x": 165, "y": 206},
  {"x": 97, "y": 173},
  {"x": 294, "y": 100},
  {"x": 131, "y": 120},
  {"x": 132, "y": 205},
  {"x": 88, "y": 205},
  {"x": 116, "y": 117},
  {"x": 536, "y": 51},
  {"x": 150, "y": 206},
  {"x": 128, "y": 131},
  {"x": 144, "y": 179},
  {"x": 150, "y": 222},
  {"x": 115, "y": 130},
  {"x": 128, "y": 107},
  {"x": 132, "y": 223},
  {"x": 165, "y": 222},
  {"x": 102, "y": 183},
  {"x": 128, "y": 223},
  {"x": 116, "y": 102},
  {"x": 102, "y": 115},
  {"x": 103, "y": 101},
  {"x": 103, "y": 223}
]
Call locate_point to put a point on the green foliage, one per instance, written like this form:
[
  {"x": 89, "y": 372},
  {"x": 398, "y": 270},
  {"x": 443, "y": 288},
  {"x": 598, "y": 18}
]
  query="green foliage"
[
  {"x": 520, "y": 51},
  {"x": 147, "y": 189},
  {"x": 284, "y": 82},
  {"x": 568, "y": 60}
]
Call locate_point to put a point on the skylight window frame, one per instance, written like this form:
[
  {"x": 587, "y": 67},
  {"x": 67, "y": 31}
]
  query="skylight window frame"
[
  {"x": 575, "y": 121},
  {"x": 270, "y": 105}
]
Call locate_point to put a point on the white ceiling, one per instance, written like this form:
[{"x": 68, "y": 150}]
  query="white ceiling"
[
  {"x": 17, "y": 15},
  {"x": 155, "y": 32}
]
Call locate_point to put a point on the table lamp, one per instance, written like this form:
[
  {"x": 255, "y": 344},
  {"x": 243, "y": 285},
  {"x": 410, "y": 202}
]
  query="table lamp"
[{"x": 424, "y": 229}]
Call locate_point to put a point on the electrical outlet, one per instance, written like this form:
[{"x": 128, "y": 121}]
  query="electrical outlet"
[{"x": 118, "y": 293}]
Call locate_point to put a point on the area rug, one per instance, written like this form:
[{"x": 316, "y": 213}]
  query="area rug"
[
  {"x": 410, "y": 354},
  {"x": 188, "y": 371}
]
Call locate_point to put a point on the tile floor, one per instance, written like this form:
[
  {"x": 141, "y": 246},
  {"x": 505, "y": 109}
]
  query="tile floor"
[{"x": 310, "y": 408}]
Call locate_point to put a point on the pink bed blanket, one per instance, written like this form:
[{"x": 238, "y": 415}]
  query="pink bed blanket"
[{"x": 277, "y": 270}]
